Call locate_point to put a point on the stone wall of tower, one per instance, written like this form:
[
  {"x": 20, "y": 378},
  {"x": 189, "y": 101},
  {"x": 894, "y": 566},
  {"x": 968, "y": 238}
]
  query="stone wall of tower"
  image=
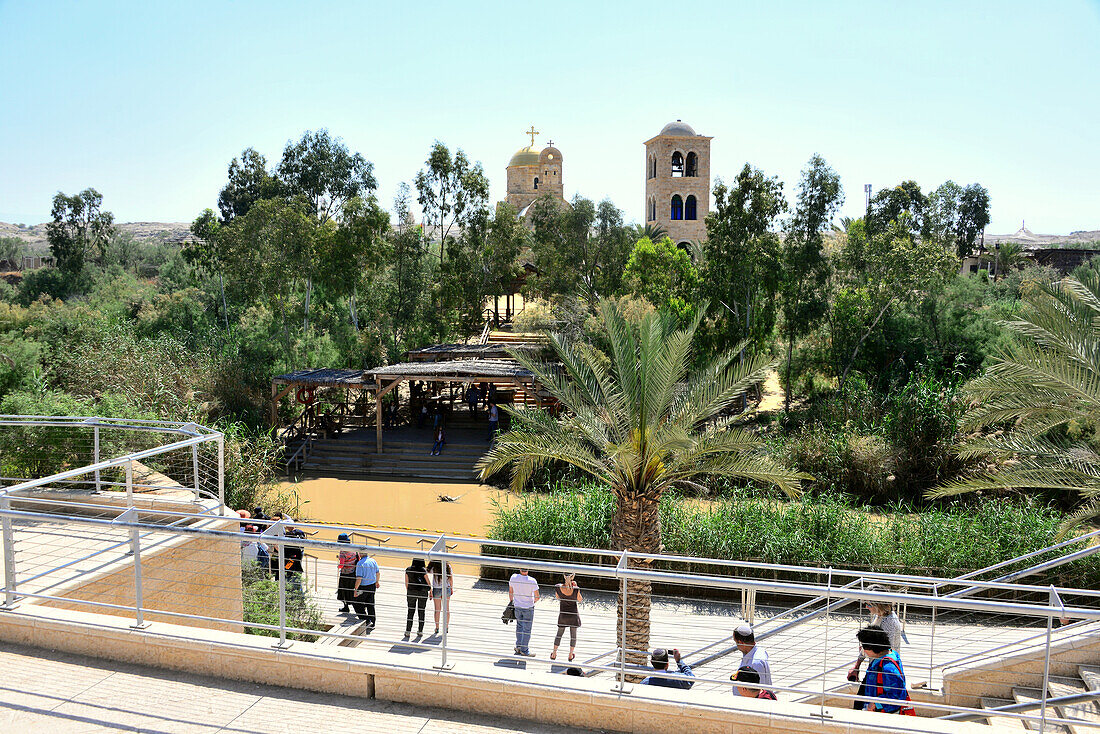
[
  {"x": 521, "y": 180},
  {"x": 550, "y": 173},
  {"x": 660, "y": 189}
]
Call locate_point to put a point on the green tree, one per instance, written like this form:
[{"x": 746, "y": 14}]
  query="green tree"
[
  {"x": 888, "y": 205},
  {"x": 204, "y": 253},
  {"x": 80, "y": 229},
  {"x": 263, "y": 251},
  {"x": 804, "y": 268},
  {"x": 973, "y": 217},
  {"x": 248, "y": 182},
  {"x": 741, "y": 256},
  {"x": 1042, "y": 394},
  {"x": 567, "y": 262},
  {"x": 956, "y": 216},
  {"x": 11, "y": 251},
  {"x": 1004, "y": 257},
  {"x": 358, "y": 249},
  {"x": 664, "y": 275},
  {"x": 406, "y": 299},
  {"x": 883, "y": 270},
  {"x": 321, "y": 169},
  {"x": 451, "y": 192},
  {"x": 639, "y": 422}
]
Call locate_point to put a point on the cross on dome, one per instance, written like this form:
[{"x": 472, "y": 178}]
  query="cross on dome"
[{"x": 532, "y": 132}]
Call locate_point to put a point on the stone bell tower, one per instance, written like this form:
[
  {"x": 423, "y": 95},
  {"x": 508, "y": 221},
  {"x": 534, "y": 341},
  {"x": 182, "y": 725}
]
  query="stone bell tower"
[{"x": 677, "y": 181}]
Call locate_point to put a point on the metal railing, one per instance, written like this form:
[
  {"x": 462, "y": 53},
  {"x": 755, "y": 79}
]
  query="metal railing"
[
  {"x": 134, "y": 539},
  {"x": 185, "y": 456}
]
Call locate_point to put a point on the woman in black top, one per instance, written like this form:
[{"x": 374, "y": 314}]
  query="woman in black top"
[
  {"x": 569, "y": 596},
  {"x": 416, "y": 594}
]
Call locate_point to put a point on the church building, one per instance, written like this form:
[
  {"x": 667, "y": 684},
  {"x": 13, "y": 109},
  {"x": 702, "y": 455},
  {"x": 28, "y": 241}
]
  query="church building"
[
  {"x": 534, "y": 173},
  {"x": 677, "y": 182}
]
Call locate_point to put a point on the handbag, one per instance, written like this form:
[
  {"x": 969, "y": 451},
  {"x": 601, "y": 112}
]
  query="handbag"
[{"x": 509, "y": 614}]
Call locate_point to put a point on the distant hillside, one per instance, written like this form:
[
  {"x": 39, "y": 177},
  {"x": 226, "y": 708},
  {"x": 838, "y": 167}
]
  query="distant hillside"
[
  {"x": 1031, "y": 240},
  {"x": 35, "y": 235}
]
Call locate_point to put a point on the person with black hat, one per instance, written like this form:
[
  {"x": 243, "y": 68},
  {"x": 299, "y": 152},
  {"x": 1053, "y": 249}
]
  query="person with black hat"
[
  {"x": 747, "y": 679},
  {"x": 345, "y": 565},
  {"x": 659, "y": 660}
]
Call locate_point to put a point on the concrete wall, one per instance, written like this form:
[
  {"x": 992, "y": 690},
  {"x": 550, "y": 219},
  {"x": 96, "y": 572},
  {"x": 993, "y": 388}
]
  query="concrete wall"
[
  {"x": 370, "y": 671},
  {"x": 1021, "y": 666},
  {"x": 183, "y": 574}
]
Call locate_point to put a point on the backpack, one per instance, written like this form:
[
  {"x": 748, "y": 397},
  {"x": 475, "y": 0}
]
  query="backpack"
[
  {"x": 890, "y": 657},
  {"x": 347, "y": 561}
]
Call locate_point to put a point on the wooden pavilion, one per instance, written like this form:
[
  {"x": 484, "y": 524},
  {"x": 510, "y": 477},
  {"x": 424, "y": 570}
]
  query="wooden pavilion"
[{"x": 433, "y": 374}]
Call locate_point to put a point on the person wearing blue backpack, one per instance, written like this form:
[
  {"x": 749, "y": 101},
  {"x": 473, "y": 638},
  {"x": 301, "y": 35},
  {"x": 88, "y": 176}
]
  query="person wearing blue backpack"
[{"x": 885, "y": 678}]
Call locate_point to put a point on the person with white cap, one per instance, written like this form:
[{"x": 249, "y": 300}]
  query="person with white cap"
[{"x": 752, "y": 656}]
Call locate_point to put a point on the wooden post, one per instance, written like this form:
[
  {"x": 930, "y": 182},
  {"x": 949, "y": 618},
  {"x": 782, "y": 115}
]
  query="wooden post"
[
  {"x": 378, "y": 413},
  {"x": 274, "y": 405}
]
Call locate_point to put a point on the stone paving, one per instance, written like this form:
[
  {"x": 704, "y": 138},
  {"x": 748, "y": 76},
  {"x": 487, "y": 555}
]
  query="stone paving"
[{"x": 44, "y": 692}]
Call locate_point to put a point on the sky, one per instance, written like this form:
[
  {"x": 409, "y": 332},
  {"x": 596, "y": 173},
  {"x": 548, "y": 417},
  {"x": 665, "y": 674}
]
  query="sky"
[{"x": 148, "y": 102}]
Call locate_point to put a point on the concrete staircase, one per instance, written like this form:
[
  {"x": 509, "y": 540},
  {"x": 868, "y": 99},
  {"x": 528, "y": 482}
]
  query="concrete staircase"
[
  {"x": 1089, "y": 711},
  {"x": 406, "y": 453}
]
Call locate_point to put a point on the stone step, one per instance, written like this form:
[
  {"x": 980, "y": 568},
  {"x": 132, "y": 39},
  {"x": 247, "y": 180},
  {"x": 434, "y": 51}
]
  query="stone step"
[
  {"x": 1035, "y": 696},
  {"x": 1006, "y": 722},
  {"x": 1090, "y": 675},
  {"x": 1086, "y": 710}
]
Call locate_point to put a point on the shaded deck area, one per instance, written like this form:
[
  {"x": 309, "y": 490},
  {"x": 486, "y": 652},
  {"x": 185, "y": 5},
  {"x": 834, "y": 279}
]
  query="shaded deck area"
[{"x": 380, "y": 422}]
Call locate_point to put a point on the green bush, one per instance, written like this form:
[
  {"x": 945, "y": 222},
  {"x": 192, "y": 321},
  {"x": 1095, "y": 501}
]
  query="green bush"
[
  {"x": 261, "y": 606},
  {"x": 821, "y": 531}
]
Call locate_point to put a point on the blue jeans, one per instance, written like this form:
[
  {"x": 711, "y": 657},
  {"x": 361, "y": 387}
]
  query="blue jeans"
[{"x": 524, "y": 619}]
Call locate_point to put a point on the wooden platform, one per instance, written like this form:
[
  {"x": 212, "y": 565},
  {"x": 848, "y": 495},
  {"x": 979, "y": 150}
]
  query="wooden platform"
[{"x": 407, "y": 452}]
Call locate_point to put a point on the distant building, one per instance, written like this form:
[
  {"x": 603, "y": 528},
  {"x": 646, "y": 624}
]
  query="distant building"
[
  {"x": 677, "y": 182},
  {"x": 533, "y": 174}
]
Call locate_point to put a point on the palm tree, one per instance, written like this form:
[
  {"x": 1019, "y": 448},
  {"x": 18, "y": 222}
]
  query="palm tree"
[
  {"x": 1036, "y": 390},
  {"x": 1005, "y": 257},
  {"x": 639, "y": 422},
  {"x": 655, "y": 232}
]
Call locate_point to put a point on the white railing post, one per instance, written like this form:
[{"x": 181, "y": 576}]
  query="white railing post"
[
  {"x": 440, "y": 546},
  {"x": 1055, "y": 601},
  {"x": 932, "y": 639},
  {"x": 9, "y": 555},
  {"x": 130, "y": 516},
  {"x": 139, "y": 596},
  {"x": 130, "y": 483},
  {"x": 825, "y": 651},
  {"x": 221, "y": 471},
  {"x": 275, "y": 532},
  {"x": 195, "y": 467},
  {"x": 619, "y": 570},
  {"x": 98, "y": 480}
]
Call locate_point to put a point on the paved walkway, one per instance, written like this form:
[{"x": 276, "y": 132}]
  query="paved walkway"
[{"x": 59, "y": 693}]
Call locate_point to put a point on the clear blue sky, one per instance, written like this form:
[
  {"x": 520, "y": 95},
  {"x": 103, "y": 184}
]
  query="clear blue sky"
[{"x": 148, "y": 101}]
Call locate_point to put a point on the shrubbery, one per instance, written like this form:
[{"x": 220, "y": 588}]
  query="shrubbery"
[{"x": 822, "y": 531}]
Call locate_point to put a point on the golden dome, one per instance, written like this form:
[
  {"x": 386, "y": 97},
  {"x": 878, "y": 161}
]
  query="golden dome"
[{"x": 527, "y": 156}]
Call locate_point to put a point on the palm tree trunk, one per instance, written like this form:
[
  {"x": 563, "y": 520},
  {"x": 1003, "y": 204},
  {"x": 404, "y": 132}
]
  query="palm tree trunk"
[{"x": 636, "y": 527}]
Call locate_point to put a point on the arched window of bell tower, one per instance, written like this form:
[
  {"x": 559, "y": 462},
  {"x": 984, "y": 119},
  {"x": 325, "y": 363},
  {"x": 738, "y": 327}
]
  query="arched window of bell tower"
[
  {"x": 689, "y": 208},
  {"x": 536, "y": 183},
  {"x": 677, "y": 165},
  {"x": 692, "y": 165},
  {"x": 651, "y": 210},
  {"x": 651, "y": 167},
  {"x": 677, "y": 207}
]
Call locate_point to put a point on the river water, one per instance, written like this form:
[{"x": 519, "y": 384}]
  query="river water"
[{"x": 399, "y": 504}]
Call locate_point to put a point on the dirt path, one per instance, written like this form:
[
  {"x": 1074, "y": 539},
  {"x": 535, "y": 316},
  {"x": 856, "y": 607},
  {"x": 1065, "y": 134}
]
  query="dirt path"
[{"x": 773, "y": 394}]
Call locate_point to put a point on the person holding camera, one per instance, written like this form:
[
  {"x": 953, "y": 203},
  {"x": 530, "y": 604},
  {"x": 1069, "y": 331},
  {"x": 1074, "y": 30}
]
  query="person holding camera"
[
  {"x": 750, "y": 677},
  {"x": 659, "y": 660}
]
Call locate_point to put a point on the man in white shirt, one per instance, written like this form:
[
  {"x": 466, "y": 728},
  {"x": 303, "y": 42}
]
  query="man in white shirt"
[
  {"x": 523, "y": 592},
  {"x": 751, "y": 655}
]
